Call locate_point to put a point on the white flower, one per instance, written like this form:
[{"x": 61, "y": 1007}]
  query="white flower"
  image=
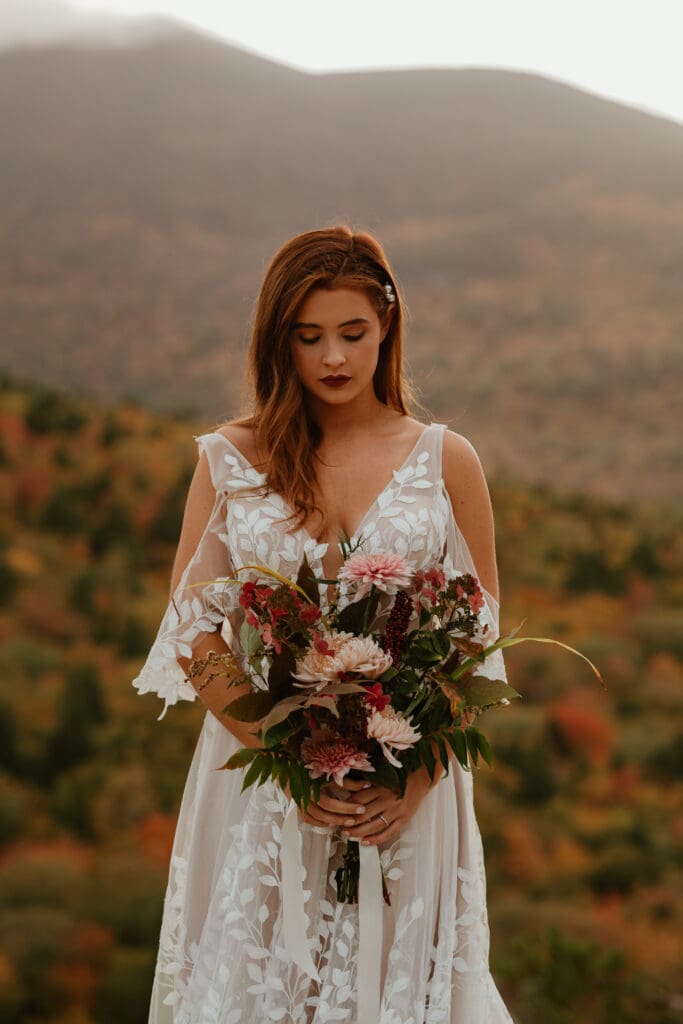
[
  {"x": 362, "y": 655},
  {"x": 319, "y": 667},
  {"x": 348, "y": 654},
  {"x": 391, "y": 729}
]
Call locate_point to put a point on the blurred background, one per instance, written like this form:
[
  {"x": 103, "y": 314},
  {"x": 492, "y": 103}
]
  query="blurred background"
[{"x": 523, "y": 167}]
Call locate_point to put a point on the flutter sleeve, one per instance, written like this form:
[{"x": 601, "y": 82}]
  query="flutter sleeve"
[
  {"x": 459, "y": 560},
  {"x": 202, "y": 599}
]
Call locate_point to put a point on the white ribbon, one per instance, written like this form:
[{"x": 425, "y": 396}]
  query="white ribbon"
[
  {"x": 370, "y": 911},
  {"x": 293, "y": 914}
]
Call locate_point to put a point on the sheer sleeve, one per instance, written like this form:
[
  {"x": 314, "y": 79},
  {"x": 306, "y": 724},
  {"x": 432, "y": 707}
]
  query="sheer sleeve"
[
  {"x": 201, "y": 600},
  {"x": 459, "y": 560}
]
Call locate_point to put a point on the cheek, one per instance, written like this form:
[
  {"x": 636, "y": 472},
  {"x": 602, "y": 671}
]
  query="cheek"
[{"x": 302, "y": 360}]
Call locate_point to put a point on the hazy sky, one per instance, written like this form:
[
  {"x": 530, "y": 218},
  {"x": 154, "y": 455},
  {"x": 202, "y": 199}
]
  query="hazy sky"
[{"x": 628, "y": 50}]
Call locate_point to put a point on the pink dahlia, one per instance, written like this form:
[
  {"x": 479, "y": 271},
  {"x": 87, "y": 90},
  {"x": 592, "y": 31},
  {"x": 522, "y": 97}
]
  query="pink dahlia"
[
  {"x": 326, "y": 754},
  {"x": 386, "y": 572}
]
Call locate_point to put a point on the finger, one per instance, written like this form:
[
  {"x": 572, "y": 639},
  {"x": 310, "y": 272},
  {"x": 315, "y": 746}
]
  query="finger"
[
  {"x": 366, "y": 796},
  {"x": 340, "y": 806},
  {"x": 381, "y": 804},
  {"x": 370, "y": 826},
  {"x": 385, "y": 836},
  {"x": 325, "y": 817},
  {"x": 352, "y": 785}
]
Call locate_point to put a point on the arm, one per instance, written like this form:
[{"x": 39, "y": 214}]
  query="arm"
[{"x": 199, "y": 508}]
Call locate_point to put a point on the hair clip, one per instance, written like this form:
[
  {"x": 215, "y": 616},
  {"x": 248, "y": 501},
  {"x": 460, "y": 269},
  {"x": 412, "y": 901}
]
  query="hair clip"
[{"x": 390, "y": 293}]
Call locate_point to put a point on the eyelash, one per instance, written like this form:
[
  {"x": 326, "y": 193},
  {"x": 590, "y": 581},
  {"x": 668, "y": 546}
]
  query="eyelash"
[{"x": 347, "y": 337}]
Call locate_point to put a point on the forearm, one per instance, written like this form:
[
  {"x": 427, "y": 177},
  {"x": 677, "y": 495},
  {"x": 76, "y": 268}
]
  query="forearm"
[{"x": 218, "y": 692}]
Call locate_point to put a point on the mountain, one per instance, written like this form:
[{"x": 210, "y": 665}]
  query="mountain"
[{"x": 535, "y": 230}]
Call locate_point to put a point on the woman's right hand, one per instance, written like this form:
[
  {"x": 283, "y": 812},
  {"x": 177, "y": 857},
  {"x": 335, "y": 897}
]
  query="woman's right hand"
[{"x": 330, "y": 812}]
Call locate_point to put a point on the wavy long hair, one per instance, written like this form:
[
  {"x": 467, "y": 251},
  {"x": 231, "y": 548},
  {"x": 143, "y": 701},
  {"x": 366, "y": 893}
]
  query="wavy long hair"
[{"x": 285, "y": 435}]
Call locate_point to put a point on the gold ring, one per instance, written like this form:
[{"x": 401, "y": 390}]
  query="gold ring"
[{"x": 386, "y": 823}]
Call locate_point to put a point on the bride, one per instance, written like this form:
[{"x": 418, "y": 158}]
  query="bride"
[{"x": 329, "y": 449}]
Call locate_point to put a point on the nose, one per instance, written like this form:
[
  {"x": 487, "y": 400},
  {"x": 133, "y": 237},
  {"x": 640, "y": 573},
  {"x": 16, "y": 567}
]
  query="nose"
[{"x": 333, "y": 355}]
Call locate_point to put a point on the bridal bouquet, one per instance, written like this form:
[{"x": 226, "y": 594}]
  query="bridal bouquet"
[{"x": 337, "y": 694}]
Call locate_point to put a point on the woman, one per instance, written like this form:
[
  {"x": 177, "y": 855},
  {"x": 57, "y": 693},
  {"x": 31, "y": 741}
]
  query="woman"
[{"x": 330, "y": 449}]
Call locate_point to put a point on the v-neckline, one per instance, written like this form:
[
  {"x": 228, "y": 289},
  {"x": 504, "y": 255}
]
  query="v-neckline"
[{"x": 357, "y": 531}]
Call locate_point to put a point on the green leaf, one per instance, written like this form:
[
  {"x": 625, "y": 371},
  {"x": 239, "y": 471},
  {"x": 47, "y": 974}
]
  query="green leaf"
[
  {"x": 385, "y": 775},
  {"x": 428, "y": 757},
  {"x": 281, "y": 731},
  {"x": 282, "y": 709},
  {"x": 481, "y": 692},
  {"x": 472, "y": 745},
  {"x": 253, "y": 773},
  {"x": 280, "y": 683},
  {"x": 308, "y": 582},
  {"x": 485, "y": 749},
  {"x": 250, "y": 707},
  {"x": 241, "y": 757},
  {"x": 458, "y": 745},
  {"x": 250, "y": 640},
  {"x": 443, "y": 753},
  {"x": 296, "y": 782}
]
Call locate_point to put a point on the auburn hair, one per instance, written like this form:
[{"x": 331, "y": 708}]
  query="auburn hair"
[{"x": 286, "y": 437}]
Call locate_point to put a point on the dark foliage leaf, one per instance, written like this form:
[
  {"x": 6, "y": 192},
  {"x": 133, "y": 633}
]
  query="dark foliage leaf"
[
  {"x": 282, "y": 730},
  {"x": 241, "y": 757},
  {"x": 351, "y": 618},
  {"x": 250, "y": 707},
  {"x": 385, "y": 775},
  {"x": 308, "y": 582},
  {"x": 472, "y": 745},
  {"x": 280, "y": 683},
  {"x": 458, "y": 745}
]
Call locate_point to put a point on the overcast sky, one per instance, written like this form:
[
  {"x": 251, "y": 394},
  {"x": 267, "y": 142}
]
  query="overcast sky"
[{"x": 628, "y": 50}]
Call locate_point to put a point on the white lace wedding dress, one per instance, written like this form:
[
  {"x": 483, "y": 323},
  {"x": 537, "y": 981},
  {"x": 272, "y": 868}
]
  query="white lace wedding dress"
[{"x": 221, "y": 958}]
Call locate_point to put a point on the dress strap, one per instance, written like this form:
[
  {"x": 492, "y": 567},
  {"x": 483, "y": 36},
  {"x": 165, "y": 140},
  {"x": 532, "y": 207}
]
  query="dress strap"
[
  {"x": 433, "y": 441},
  {"x": 230, "y": 470}
]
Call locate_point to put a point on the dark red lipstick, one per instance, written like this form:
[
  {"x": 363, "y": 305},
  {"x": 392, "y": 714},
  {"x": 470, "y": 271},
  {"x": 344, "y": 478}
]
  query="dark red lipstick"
[{"x": 335, "y": 380}]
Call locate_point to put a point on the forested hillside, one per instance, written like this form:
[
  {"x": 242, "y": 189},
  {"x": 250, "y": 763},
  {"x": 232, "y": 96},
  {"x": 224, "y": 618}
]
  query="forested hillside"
[{"x": 582, "y": 815}]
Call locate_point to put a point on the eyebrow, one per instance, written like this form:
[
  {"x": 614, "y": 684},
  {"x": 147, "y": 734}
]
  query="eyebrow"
[{"x": 356, "y": 320}]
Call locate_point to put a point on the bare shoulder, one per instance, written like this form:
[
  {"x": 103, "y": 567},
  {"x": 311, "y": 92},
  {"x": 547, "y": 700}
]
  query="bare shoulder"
[
  {"x": 461, "y": 464},
  {"x": 241, "y": 435},
  {"x": 465, "y": 481}
]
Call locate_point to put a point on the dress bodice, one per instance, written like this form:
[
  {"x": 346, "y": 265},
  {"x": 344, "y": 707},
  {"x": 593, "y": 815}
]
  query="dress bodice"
[
  {"x": 412, "y": 516},
  {"x": 409, "y": 516}
]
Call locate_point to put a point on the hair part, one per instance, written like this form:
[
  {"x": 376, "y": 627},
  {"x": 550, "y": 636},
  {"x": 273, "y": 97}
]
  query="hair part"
[{"x": 286, "y": 436}]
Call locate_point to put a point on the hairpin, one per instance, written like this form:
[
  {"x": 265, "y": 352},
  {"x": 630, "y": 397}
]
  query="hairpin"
[{"x": 390, "y": 293}]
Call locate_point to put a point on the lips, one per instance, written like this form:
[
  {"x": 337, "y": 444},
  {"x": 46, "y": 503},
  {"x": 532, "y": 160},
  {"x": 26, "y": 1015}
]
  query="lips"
[{"x": 335, "y": 381}]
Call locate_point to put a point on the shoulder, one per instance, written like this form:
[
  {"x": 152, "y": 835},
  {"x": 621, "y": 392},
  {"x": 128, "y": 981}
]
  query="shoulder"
[
  {"x": 465, "y": 481},
  {"x": 240, "y": 433},
  {"x": 462, "y": 468}
]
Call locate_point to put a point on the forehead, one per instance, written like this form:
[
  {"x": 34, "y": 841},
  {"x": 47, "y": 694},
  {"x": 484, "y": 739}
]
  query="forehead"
[{"x": 335, "y": 305}]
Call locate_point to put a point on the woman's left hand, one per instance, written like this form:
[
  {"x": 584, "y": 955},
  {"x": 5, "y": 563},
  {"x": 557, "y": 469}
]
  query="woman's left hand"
[{"x": 386, "y": 813}]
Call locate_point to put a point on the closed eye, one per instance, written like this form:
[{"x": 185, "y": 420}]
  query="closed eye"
[{"x": 347, "y": 337}]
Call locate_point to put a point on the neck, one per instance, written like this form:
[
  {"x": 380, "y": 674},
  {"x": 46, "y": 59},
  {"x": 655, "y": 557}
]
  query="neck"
[{"x": 349, "y": 418}]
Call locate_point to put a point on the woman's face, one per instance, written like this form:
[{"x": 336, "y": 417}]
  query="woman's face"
[{"x": 335, "y": 343}]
